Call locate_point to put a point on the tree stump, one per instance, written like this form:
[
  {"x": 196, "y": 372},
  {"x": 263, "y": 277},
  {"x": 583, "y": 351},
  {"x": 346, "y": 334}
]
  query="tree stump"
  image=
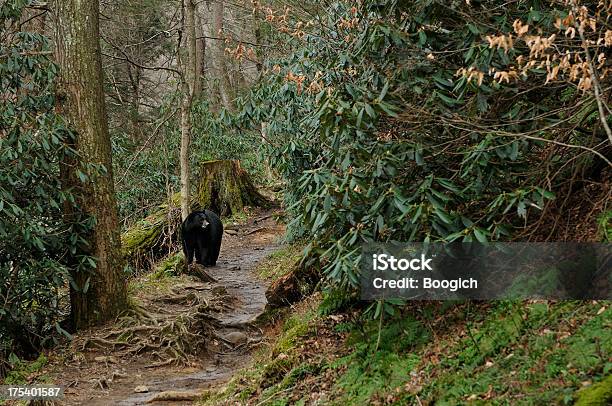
[{"x": 225, "y": 188}]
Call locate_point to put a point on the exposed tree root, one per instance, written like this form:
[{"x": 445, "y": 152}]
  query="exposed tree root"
[
  {"x": 162, "y": 363},
  {"x": 255, "y": 230},
  {"x": 101, "y": 343},
  {"x": 189, "y": 297},
  {"x": 199, "y": 272},
  {"x": 134, "y": 329},
  {"x": 170, "y": 338},
  {"x": 138, "y": 312}
]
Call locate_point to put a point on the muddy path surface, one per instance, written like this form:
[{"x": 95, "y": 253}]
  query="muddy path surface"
[{"x": 98, "y": 370}]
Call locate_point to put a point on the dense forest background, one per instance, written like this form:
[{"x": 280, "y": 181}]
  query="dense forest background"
[{"x": 402, "y": 120}]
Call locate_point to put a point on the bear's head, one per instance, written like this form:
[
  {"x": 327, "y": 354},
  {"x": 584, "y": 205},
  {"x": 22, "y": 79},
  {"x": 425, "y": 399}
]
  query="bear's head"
[{"x": 201, "y": 220}]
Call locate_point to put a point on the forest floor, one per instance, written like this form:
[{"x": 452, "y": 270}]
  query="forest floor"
[
  {"x": 443, "y": 353},
  {"x": 183, "y": 336}
]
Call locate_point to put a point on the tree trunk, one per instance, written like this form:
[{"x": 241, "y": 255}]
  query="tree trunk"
[
  {"x": 134, "y": 75},
  {"x": 247, "y": 29},
  {"x": 200, "y": 51},
  {"x": 102, "y": 294},
  {"x": 189, "y": 75},
  {"x": 184, "y": 154},
  {"x": 258, "y": 38},
  {"x": 209, "y": 63},
  {"x": 219, "y": 57}
]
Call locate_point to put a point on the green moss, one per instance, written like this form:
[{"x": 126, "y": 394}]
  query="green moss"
[
  {"x": 141, "y": 242},
  {"x": 599, "y": 394},
  {"x": 294, "y": 328},
  {"x": 271, "y": 315},
  {"x": 299, "y": 372},
  {"x": 605, "y": 226},
  {"x": 275, "y": 370},
  {"x": 504, "y": 352},
  {"x": 22, "y": 370},
  {"x": 172, "y": 265},
  {"x": 377, "y": 372},
  {"x": 146, "y": 241},
  {"x": 143, "y": 234},
  {"x": 542, "y": 360},
  {"x": 166, "y": 274},
  {"x": 240, "y": 217}
]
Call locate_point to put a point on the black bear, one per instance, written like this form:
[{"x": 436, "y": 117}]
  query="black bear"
[{"x": 202, "y": 232}]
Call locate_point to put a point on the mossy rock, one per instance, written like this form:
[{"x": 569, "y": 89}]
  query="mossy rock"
[{"x": 599, "y": 394}]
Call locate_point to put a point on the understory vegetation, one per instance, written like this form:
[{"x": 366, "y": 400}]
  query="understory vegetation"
[
  {"x": 383, "y": 135},
  {"x": 37, "y": 242},
  {"x": 434, "y": 353}
]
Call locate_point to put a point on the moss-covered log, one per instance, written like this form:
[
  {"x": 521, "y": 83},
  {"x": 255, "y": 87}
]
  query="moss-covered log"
[
  {"x": 153, "y": 237},
  {"x": 223, "y": 187}
]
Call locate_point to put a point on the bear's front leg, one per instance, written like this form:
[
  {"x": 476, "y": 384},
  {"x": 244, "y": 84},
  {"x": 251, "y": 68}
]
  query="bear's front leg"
[
  {"x": 189, "y": 253},
  {"x": 202, "y": 253}
]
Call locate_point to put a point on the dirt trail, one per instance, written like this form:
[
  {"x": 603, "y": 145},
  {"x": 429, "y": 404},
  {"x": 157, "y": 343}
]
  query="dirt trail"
[{"x": 98, "y": 376}]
